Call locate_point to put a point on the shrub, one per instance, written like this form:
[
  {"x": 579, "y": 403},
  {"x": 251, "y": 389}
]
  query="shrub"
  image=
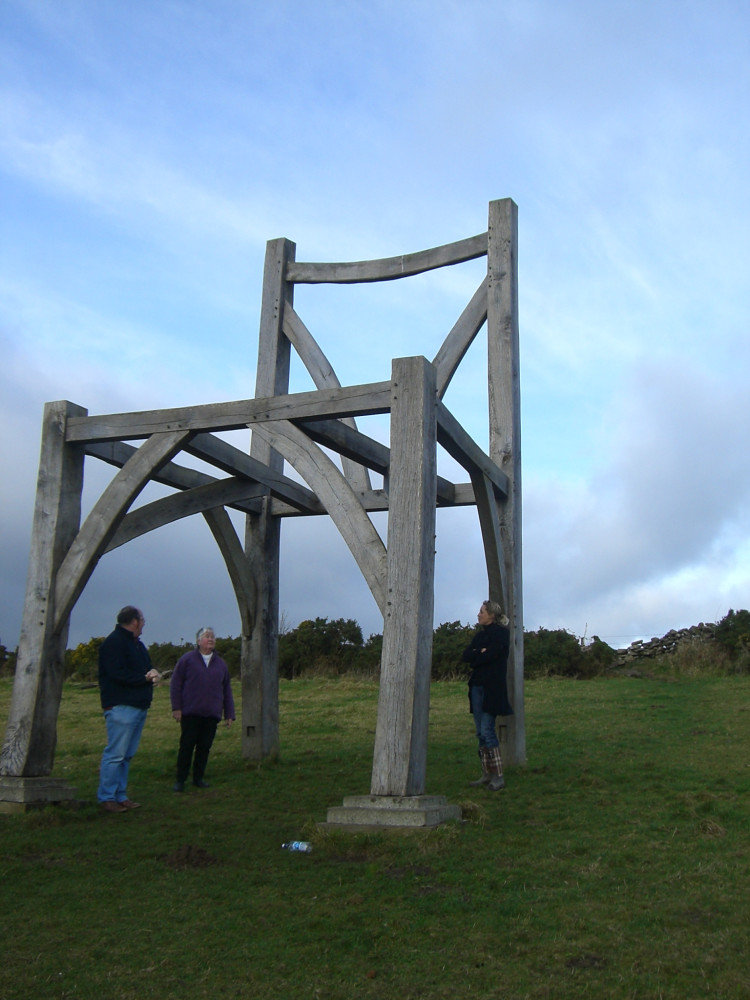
[
  {"x": 82, "y": 663},
  {"x": 549, "y": 652},
  {"x": 733, "y": 634},
  {"x": 448, "y": 643},
  {"x": 319, "y": 646}
]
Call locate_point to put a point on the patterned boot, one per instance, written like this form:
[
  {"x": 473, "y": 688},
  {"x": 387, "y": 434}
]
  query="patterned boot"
[
  {"x": 495, "y": 769},
  {"x": 485, "y": 779}
]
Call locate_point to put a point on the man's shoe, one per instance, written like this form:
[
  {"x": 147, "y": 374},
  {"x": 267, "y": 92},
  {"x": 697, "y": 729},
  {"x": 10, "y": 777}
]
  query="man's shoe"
[
  {"x": 497, "y": 783},
  {"x": 129, "y": 804},
  {"x": 179, "y": 786},
  {"x": 113, "y": 807},
  {"x": 201, "y": 784}
]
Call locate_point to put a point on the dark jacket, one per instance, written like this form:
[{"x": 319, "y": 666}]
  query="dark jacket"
[
  {"x": 490, "y": 668},
  {"x": 197, "y": 689},
  {"x": 123, "y": 665}
]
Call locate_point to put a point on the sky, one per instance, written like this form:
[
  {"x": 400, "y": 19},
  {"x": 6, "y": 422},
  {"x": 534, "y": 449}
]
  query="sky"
[{"x": 150, "y": 148}]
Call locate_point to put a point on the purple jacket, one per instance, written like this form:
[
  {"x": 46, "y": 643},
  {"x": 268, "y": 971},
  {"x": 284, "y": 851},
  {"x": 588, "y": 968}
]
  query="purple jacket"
[{"x": 197, "y": 689}]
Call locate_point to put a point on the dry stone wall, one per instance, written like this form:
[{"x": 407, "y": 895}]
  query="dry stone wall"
[{"x": 646, "y": 649}]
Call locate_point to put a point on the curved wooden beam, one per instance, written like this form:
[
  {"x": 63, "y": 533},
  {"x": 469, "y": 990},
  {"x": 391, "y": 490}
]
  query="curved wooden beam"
[
  {"x": 324, "y": 377},
  {"x": 245, "y": 589},
  {"x": 336, "y": 495},
  {"x": 101, "y": 524},
  {"x": 220, "y": 493},
  {"x": 387, "y": 268},
  {"x": 459, "y": 340},
  {"x": 489, "y": 522}
]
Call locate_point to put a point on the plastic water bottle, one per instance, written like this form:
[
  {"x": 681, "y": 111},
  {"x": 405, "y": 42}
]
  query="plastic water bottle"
[{"x": 297, "y": 845}]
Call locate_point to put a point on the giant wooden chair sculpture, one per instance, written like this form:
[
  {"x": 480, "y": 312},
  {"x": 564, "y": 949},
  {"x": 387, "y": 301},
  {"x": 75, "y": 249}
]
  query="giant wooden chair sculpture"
[{"x": 292, "y": 428}]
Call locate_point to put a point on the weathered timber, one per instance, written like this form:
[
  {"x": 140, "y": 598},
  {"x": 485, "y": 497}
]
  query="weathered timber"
[
  {"x": 29, "y": 745},
  {"x": 400, "y": 754},
  {"x": 235, "y": 560},
  {"x": 230, "y": 459},
  {"x": 458, "y": 443},
  {"x": 460, "y": 338},
  {"x": 388, "y": 268},
  {"x": 505, "y": 438},
  {"x": 492, "y": 538},
  {"x": 344, "y": 440},
  {"x": 344, "y": 402},
  {"x": 377, "y": 500},
  {"x": 104, "y": 519},
  {"x": 317, "y": 469},
  {"x": 324, "y": 377},
  {"x": 259, "y": 656},
  {"x": 296, "y": 427},
  {"x": 166, "y": 510}
]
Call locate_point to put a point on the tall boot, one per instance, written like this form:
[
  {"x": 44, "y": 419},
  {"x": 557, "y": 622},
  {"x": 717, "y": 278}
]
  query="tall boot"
[
  {"x": 495, "y": 769},
  {"x": 485, "y": 779}
]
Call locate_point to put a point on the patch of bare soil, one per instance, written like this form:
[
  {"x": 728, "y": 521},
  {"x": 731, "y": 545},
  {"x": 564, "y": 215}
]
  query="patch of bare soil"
[{"x": 189, "y": 857}]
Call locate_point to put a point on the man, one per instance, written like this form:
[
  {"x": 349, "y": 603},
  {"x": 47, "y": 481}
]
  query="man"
[
  {"x": 201, "y": 691},
  {"x": 126, "y": 687}
]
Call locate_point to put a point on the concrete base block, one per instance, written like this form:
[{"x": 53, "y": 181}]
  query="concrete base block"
[
  {"x": 20, "y": 794},
  {"x": 392, "y": 811}
]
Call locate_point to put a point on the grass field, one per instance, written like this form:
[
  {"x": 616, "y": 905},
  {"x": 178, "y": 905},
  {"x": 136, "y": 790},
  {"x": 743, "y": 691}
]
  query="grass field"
[{"x": 614, "y": 866}]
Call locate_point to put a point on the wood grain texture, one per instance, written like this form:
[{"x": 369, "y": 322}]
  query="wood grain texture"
[
  {"x": 388, "y": 268},
  {"x": 29, "y": 745},
  {"x": 400, "y": 754},
  {"x": 505, "y": 437},
  {"x": 337, "y": 496},
  {"x": 105, "y": 516}
]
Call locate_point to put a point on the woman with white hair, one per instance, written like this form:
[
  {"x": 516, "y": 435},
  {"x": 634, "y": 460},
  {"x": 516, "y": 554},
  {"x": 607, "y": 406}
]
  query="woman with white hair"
[
  {"x": 488, "y": 690},
  {"x": 200, "y": 692}
]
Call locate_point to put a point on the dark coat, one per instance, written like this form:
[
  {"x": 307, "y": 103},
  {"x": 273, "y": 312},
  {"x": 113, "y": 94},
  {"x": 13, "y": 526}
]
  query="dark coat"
[
  {"x": 488, "y": 655},
  {"x": 123, "y": 665}
]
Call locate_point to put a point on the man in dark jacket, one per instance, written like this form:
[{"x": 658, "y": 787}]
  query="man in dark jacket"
[
  {"x": 201, "y": 692},
  {"x": 126, "y": 687}
]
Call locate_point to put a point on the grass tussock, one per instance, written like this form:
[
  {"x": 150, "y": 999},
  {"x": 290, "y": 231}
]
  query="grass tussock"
[{"x": 614, "y": 865}]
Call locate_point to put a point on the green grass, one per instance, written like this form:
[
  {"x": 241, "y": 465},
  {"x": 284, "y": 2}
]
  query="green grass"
[{"x": 615, "y": 864}]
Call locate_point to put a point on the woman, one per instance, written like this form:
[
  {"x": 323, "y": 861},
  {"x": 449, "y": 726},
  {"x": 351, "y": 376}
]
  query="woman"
[
  {"x": 200, "y": 691},
  {"x": 488, "y": 691}
]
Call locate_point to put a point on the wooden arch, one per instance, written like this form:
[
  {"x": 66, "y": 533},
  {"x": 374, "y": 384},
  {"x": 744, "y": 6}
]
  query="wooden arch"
[{"x": 295, "y": 428}]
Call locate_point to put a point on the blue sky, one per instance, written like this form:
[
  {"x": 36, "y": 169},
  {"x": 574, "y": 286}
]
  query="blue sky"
[{"x": 150, "y": 148}]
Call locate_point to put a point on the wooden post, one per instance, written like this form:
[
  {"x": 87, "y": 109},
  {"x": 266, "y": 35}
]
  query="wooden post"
[
  {"x": 400, "y": 756},
  {"x": 505, "y": 444},
  {"x": 29, "y": 745},
  {"x": 259, "y": 665}
]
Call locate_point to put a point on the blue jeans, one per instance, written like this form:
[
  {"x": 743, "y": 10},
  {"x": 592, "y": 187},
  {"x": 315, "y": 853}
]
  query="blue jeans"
[
  {"x": 484, "y": 722},
  {"x": 124, "y": 727}
]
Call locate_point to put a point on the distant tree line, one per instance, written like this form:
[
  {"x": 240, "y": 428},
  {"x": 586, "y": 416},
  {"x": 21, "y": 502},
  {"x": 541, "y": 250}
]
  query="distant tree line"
[{"x": 320, "y": 647}]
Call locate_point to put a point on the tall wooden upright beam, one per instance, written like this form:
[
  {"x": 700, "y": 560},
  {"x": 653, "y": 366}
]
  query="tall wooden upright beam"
[
  {"x": 399, "y": 759},
  {"x": 505, "y": 443},
  {"x": 29, "y": 745},
  {"x": 259, "y": 658}
]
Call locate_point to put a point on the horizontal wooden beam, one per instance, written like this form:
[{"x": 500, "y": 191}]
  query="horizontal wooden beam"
[
  {"x": 458, "y": 443},
  {"x": 177, "y": 477},
  {"x": 346, "y": 401},
  {"x": 230, "y": 459},
  {"x": 387, "y": 268},
  {"x": 362, "y": 449}
]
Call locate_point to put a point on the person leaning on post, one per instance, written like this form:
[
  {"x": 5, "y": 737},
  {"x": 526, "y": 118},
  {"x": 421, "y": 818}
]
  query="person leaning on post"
[
  {"x": 126, "y": 687},
  {"x": 200, "y": 691},
  {"x": 488, "y": 689}
]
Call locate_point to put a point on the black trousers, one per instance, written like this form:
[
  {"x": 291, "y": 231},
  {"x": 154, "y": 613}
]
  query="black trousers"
[{"x": 196, "y": 734}]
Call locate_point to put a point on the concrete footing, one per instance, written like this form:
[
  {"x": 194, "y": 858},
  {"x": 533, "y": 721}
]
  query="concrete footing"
[
  {"x": 21, "y": 794},
  {"x": 392, "y": 811}
]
